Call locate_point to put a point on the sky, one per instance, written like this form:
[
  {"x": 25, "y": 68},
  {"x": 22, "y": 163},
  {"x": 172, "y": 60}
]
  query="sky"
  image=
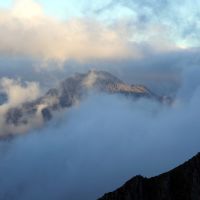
[
  {"x": 126, "y": 27},
  {"x": 149, "y": 42},
  {"x": 140, "y": 41},
  {"x": 50, "y": 35}
]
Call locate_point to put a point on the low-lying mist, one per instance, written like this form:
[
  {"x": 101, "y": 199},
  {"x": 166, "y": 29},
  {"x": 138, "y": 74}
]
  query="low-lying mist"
[{"x": 98, "y": 145}]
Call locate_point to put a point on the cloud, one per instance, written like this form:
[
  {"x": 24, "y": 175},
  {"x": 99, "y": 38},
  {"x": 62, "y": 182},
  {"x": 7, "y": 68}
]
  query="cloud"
[
  {"x": 26, "y": 9},
  {"x": 90, "y": 80},
  {"x": 17, "y": 93},
  {"x": 178, "y": 18},
  {"x": 27, "y": 31},
  {"x": 106, "y": 140},
  {"x": 97, "y": 146}
]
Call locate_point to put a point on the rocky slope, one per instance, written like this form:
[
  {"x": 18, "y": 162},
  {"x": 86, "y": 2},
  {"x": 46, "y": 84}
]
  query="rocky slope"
[
  {"x": 181, "y": 183},
  {"x": 72, "y": 90}
]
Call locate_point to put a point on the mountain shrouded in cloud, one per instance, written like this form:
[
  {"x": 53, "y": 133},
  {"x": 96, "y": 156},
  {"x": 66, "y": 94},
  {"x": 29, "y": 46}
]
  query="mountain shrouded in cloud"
[
  {"x": 95, "y": 147},
  {"x": 24, "y": 109},
  {"x": 94, "y": 92}
]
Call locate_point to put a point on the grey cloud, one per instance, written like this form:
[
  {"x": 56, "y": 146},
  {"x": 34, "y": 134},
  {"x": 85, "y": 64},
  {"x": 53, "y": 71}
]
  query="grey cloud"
[
  {"x": 162, "y": 72},
  {"x": 94, "y": 148},
  {"x": 165, "y": 68}
]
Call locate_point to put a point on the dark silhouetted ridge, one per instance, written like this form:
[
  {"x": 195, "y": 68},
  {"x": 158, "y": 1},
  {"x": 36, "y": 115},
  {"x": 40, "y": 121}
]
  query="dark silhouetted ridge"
[{"x": 181, "y": 183}]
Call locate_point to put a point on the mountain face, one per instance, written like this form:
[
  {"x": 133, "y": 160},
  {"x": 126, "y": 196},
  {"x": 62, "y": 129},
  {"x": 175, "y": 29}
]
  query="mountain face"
[
  {"x": 181, "y": 183},
  {"x": 70, "y": 92}
]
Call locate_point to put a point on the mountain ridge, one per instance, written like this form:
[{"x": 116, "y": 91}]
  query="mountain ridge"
[
  {"x": 71, "y": 91},
  {"x": 180, "y": 183}
]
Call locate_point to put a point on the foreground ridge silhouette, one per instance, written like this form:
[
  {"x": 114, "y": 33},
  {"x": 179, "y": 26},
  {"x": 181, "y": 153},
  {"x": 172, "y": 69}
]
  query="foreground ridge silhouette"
[{"x": 181, "y": 183}]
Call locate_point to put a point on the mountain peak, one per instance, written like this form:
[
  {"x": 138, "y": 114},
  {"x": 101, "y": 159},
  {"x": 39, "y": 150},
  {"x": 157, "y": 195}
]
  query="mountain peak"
[{"x": 73, "y": 90}]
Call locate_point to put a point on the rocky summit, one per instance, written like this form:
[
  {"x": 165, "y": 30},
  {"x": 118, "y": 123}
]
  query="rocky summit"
[
  {"x": 71, "y": 91},
  {"x": 181, "y": 183}
]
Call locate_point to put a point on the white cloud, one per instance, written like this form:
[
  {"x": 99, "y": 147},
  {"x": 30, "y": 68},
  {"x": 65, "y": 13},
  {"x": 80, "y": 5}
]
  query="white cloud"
[
  {"x": 27, "y": 9},
  {"x": 17, "y": 94},
  {"x": 90, "y": 79},
  {"x": 26, "y": 31}
]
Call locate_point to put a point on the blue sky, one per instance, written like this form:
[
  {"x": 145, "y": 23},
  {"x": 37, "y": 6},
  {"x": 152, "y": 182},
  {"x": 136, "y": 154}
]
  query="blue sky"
[
  {"x": 6, "y": 3},
  {"x": 62, "y": 8},
  {"x": 65, "y": 8}
]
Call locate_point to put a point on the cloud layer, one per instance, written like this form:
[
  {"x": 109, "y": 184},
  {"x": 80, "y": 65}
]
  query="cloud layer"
[
  {"x": 17, "y": 93},
  {"x": 26, "y": 30},
  {"x": 96, "y": 147},
  {"x": 105, "y": 32}
]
